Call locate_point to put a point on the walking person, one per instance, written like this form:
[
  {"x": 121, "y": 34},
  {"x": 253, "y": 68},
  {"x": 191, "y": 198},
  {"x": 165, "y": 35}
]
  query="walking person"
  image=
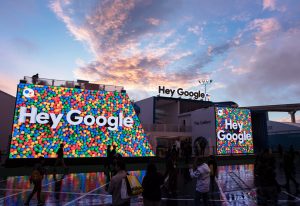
[
  {"x": 108, "y": 163},
  {"x": 170, "y": 177},
  {"x": 174, "y": 153},
  {"x": 280, "y": 150},
  {"x": 113, "y": 152},
  {"x": 0, "y": 157},
  {"x": 108, "y": 156},
  {"x": 212, "y": 163},
  {"x": 268, "y": 187},
  {"x": 289, "y": 170},
  {"x": 116, "y": 183},
  {"x": 57, "y": 186},
  {"x": 201, "y": 172},
  {"x": 36, "y": 179},
  {"x": 151, "y": 185},
  {"x": 202, "y": 147},
  {"x": 60, "y": 158}
]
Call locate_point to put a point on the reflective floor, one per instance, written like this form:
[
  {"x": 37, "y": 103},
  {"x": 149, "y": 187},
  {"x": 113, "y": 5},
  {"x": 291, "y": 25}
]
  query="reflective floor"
[{"x": 234, "y": 186}]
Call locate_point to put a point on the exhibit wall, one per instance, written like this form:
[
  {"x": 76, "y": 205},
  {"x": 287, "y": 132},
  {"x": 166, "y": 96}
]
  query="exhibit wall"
[
  {"x": 233, "y": 131},
  {"x": 6, "y": 119},
  {"x": 203, "y": 126},
  {"x": 85, "y": 121}
]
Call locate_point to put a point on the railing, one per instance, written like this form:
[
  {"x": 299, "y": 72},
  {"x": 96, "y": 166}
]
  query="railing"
[
  {"x": 166, "y": 128},
  {"x": 284, "y": 132},
  {"x": 72, "y": 84}
]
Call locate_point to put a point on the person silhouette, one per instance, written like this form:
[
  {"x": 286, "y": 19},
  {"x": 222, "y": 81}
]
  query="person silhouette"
[
  {"x": 35, "y": 78},
  {"x": 116, "y": 183},
  {"x": 60, "y": 158},
  {"x": 57, "y": 186},
  {"x": 151, "y": 185},
  {"x": 201, "y": 172},
  {"x": 289, "y": 170},
  {"x": 36, "y": 179}
]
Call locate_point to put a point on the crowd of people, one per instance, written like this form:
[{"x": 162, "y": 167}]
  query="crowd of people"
[
  {"x": 181, "y": 149},
  {"x": 156, "y": 184},
  {"x": 39, "y": 171},
  {"x": 268, "y": 188}
]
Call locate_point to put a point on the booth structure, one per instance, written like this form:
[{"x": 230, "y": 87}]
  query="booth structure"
[
  {"x": 226, "y": 130},
  {"x": 6, "y": 119},
  {"x": 88, "y": 117},
  {"x": 212, "y": 127}
]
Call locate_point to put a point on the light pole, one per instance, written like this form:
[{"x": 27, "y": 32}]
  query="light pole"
[{"x": 205, "y": 82}]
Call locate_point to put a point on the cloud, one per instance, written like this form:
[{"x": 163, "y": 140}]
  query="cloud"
[
  {"x": 240, "y": 70},
  {"x": 78, "y": 32},
  {"x": 242, "y": 17},
  {"x": 196, "y": 30},
  {"x": 24, "y": 44},
  {"x": 181, "y": 55},
  {"x": 288, "y": 119},
  {"x": 153, "y": 21},
  {"x": 202, "y": 41},
  {"x": 273, "y": 5},
  {"x": 142, "y": 44},
  {"x": 8, "y": 84},
  {"x": 269, "y": 5},
  {"x": 126, "y": 50},
  {"x": 220, "y": 49},
  {"x": 265, "y": 29},
  {"x": 216, "y": 86},
  {"x": 265, "y": 74}
]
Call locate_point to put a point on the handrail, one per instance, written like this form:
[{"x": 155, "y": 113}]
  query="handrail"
[
  {"x": 166, "y": 128},
  {"x": 284, "y": 131}
]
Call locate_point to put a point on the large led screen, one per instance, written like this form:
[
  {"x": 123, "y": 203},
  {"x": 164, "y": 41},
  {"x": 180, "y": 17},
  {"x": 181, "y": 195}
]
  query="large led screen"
[
  {"x": 233, "y": 130},
  {"x": 85, "y": 121}
]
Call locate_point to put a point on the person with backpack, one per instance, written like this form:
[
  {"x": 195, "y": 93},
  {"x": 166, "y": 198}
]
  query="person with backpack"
[
  {"x": 36, "y": 179},
  {"x": 201, "y": 172}
]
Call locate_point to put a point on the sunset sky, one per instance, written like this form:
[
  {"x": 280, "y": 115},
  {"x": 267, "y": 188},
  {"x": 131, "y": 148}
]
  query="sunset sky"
[{"x": 250, "y": 48}]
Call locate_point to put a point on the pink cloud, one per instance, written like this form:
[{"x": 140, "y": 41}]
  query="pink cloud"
[
  {"x": 269, "y": 5},
  {"x": 288, "y": 119},
  {"x": 120, "y": 56},
  {"x": 153, "y": 21},
  {"x": 268, "y": 74},
  {"x": 264, "y": 28},
  {"x": 8, "y": 84},
  {"x": 240, "y": 70}
]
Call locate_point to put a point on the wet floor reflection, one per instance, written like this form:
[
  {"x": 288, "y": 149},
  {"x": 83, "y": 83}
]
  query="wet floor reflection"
[{"x": 235, "y": 187}]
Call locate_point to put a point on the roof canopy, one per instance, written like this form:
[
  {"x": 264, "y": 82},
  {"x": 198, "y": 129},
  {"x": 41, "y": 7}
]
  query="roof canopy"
[{"x": 277, "y": 108}]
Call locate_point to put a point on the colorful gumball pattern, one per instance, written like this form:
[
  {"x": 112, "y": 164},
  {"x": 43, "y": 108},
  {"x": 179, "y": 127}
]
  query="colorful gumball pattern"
[
  {"x": 236, "y": 115},
  {"x": 31, "y": 140}
]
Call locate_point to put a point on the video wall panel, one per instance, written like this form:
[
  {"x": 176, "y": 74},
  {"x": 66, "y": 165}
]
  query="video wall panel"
[
  {"x": 233, "y": 131},
  {"x": 86, "y": 121}
]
